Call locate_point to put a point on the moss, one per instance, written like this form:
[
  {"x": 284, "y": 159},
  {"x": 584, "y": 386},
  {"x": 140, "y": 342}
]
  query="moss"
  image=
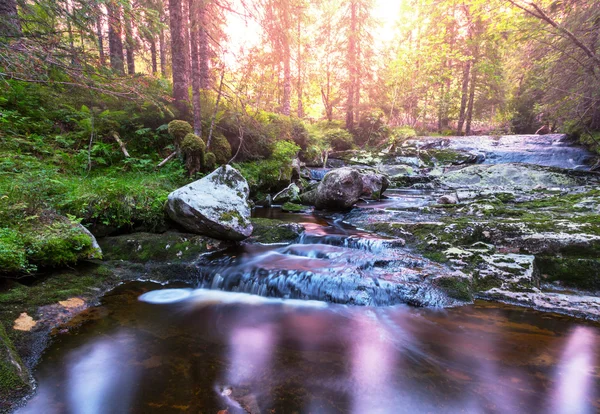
[
  {"x": 221, "y": 148},
  {"x": 577, "y": 273},
  {"x": 178, "y": 130},
  {"x": 13, "y": 374},
  {"x": 274, "y": 231},
  {"x": 231, "y": 215},
  {"x": 193, "y": 149},
  {"x": 294, "y": 208},
  {"x": 148, "y": 247},
  {"x": 459, "y": 288},
  {"x": 482, "y": 284},
  {"x": 436, "y": 256},
  {"x": 47, "y": 240}
]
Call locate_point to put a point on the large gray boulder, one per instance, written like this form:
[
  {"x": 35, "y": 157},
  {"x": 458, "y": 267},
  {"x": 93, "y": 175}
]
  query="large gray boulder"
[
  {"x": 215, "y": 206},
  {"x": 341, "y": 188}
]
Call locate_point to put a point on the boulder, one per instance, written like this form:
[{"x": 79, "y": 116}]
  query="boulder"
[
  {"x": 289, "y": 194},
  {"x": 340, "y": 189},
  {"x": 374, "y": 184},
  {"x": 214, "y": 206}
]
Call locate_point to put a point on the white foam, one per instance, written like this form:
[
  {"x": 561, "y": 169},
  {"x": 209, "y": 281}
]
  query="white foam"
[
  {"x": 164, "y": 296},
  {"x": 209, "y": 296}
]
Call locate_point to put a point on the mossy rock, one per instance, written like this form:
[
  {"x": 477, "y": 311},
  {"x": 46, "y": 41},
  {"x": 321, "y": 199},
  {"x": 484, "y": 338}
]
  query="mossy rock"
[
  {"x": 149, "y": 247},
  {"x": 456, "y": 287},
  {"x": 274, "y": 231},
  {"x": 179, "y": 129},
  {"x": 210, "y": 161},
  {"x": 14, "y": 376},
  {"x": 192, "y": 143},
  {"x": 221, "y": 148},
  {"x": 295, "y": 208},
  {"x": 47, "y": 240}
]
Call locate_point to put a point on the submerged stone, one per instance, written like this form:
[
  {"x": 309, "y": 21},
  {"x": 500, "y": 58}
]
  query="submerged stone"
[{"x": 214, "y": 206}]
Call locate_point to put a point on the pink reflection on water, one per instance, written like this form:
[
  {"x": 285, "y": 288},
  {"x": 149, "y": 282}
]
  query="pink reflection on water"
[
  {"x": 373, "y": 365},
  {"x": 99, "y": 378},
  {"x": 250, "y": 352},
  {"x": 574, "y": 377}
]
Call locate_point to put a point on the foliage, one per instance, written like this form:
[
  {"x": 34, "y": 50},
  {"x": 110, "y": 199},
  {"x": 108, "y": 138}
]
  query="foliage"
[
  {"x": 339, "y": 139},
  {"x": 273, "y": 174},
  {"x": 210, "y": 161},
  {"x": 221, "y": 148},
  {"x": 372, "y": 129}
]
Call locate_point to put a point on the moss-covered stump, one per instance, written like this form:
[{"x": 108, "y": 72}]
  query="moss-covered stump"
[
  {"x": 149, "y": 247},
  {"x": 14, "y": 375},
  {"x": 274, "y": 231},
  {"x": 579, "y": 273}
]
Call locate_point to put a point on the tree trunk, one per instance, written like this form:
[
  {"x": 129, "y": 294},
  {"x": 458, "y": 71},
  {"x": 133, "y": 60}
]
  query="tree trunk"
[
  {"x": 129, "y": 40},
  {"x": 299, "y": 63},
  {"x": 153, "y": 55},
  {"x": 287, "y": 79},
  {"x": 214, "y": 115},
  {"x": 10, "y": 25},
  {"x": 100, "y": 38},
  {"x": 351, "y": 67},
  {"x": 115, "y": 43},
  {"x": 186, "y": 38},
  {"x": 178, "y": 56},
  {"x": 162, "y": 53},
  {"x": 203, "y": 48},
  {"x": 464, "y": 97},
  {"x": 471, "y": 99},
  {"x": 194, "y": 29}
]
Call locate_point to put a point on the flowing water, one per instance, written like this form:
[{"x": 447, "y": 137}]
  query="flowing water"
[
  {"x": 147, "y": 349},
  {"x": 552, "y": 150},
  {"x": 256, "y": 332}
]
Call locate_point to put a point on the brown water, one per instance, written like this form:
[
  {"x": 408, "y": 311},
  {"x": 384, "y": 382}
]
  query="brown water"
[{"x": 204, "y": 351}]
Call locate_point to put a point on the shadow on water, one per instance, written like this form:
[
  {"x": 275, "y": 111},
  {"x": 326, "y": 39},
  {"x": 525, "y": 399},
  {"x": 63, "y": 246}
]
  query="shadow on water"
[{"x": 186, "y": 350}]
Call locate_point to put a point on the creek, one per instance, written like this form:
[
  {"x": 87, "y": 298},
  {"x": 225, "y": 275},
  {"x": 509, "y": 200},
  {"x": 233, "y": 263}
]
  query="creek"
[{"x": 274, "y": 328}]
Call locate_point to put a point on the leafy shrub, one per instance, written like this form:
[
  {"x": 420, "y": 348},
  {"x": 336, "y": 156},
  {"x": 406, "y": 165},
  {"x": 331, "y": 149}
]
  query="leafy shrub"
[
  {"x": 339, "y": 139},
  {"x": 372, "y": 129}
]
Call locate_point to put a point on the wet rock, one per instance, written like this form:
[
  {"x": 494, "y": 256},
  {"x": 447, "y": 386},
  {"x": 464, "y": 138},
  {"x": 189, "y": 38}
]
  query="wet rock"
[
  {"x": 374, "y": 184},
  {"x": 509, "y": 176},
  {"x": 274, "y": 231},
  {"x": 570, "y": 272},
  {"x": 553, "y": 242},
  {"x": 289, "y": 194},
  {"x": 582, "y": 306},
  {"x": 447, "y": 199},
  {"x": 214, "y": 206}
]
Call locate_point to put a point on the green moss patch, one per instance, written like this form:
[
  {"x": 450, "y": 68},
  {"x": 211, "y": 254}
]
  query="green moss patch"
[{"x": 274, "y": 231}]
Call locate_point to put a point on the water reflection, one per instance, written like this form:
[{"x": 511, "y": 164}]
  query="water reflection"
[
  {"x": 213, "y": 351},
  {"x": 574, "y": 376}
]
